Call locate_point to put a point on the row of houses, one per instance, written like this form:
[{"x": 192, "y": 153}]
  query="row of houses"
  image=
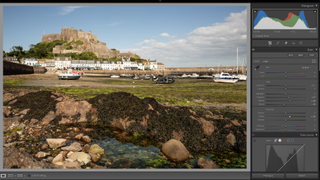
[{"x": 66, "y": 62}]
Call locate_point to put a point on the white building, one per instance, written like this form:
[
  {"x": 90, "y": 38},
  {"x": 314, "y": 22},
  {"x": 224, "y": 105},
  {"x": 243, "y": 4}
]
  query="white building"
[
  {"x": 126, "y": 63},
  {"x": 62, "y": 62},
  {"x": 153, "y": 64},
  {"x": 30, "y": 61},
  {"x": 140, "y": 66}
]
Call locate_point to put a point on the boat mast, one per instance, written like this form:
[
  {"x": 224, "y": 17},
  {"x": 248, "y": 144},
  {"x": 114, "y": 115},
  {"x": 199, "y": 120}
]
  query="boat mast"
[{"x": 237, "y": 60}]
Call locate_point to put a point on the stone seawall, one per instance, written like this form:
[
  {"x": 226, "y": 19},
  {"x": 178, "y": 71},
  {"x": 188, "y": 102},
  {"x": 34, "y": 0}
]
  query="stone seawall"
[{"x": 10, "y": 68}]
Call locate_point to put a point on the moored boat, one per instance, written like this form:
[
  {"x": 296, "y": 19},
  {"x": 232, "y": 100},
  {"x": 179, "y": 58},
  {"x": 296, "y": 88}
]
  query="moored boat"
[
  {"x": 114, "y": 76},
  {"x": 194, "y": 75},
  {"x": 69, "y": 75},
  {"x": 225, "y": 78}
]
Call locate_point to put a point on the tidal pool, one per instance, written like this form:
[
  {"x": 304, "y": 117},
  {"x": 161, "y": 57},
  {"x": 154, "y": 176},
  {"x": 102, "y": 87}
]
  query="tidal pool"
[{"x": 128, "y": 155}]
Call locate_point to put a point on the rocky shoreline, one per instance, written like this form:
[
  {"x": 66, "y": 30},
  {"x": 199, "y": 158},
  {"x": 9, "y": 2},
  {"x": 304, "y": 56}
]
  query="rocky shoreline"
[{"x": 60, "y": 132}]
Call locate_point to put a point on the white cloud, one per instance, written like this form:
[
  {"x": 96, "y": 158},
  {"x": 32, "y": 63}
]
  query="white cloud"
[
  {"x": 145, "y": 42},
  {"x": 204, "y": 46},
  {"x": 68, "y": 9},
  {"x": 114, "y": 24},
  {"x": 165, "y": 35}
]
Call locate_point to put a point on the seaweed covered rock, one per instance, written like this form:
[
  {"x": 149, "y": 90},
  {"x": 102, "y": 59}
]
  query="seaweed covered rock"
[
  {"x": 39, "y": 103},
  {"x": 207, "y": 164},
  {"x": 199, "y": 132}
]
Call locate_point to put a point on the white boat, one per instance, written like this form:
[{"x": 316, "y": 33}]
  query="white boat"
[
  {"x": 225, "y": 78},
  {"x": 114, "y": 76},
  {"x": 194, "y": 75},
  {"x": 185, "y": 76},
  {"x": 242, "y": 77},
  {"x": 69, "y": 75},
  {"x": 205, "y": 77}
]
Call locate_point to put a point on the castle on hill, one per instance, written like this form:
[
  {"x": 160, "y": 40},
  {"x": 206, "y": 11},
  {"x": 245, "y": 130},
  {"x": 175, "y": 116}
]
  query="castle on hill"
[{"x": 90, "y": 43}]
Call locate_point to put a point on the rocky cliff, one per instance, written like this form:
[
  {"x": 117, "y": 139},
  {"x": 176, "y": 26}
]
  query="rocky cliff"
[{"x": 90, "y": 43}]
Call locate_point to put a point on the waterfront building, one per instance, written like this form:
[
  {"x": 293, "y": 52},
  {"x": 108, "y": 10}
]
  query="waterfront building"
[
  {"x": 153, "y": 64},
  {"x": 30, "y": 61},
  {"x": 12, "y": 59},
  {"x": 62, "y": 62},
  {"x": 146, "y": 64},
  {"x": 160, "y": 66},
  {"x": 140, "y": 66},
  {"x": 90, "y": 64},
  {"x": 50, "y": 64},
  {"x": 42, "y": 62}
]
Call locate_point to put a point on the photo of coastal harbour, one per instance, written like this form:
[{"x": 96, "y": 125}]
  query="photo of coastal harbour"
[{"x": 125, "y": 87}]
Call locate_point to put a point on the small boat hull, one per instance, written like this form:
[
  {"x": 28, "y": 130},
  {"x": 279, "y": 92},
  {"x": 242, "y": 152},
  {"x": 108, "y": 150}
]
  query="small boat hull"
[
  {"x": 69, "y": 77},
  {"x": 231, "y": 81}
]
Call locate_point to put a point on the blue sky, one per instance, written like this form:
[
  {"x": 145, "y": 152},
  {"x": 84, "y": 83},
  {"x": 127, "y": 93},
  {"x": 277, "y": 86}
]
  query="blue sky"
[{"x": 175, "y": 35}]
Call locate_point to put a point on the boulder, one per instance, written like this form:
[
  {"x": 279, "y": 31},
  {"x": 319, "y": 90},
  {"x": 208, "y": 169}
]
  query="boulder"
[
  {"x": 231, "y": 139},
  {"x": 33, "y": 122},
  {"x": 175, "y": 150},
  {"x": 49, "y": 117},
  {"x": 121, "y": 124},
  {"x": 71, "y": 108},
  {"x": 79, "y": 136},
  {"x": 207, "y": 164},
  {"x": 41, "y": 154},
  {"x": 16, "y": 159},
  {"x": 86, "y": 139},
  {"x": 96, "y": 149},
  {"x": 73, "y": 147},
  {"x": 95, "y": 157},
  {"x": 58, "y": 158},
  {"x": 81, "y": 157},
  {"x": 55, "y": 143}
]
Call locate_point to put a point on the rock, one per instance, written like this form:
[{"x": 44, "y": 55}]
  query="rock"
[
  {"x": 71, "y": 107},
  {"x": 175, "y": 150},
  {"x": 55, "y": 143},
  {"x": 44, "y": 146},
  {"x": 149, "y": 168},
  {"x": 79, "y": 136},
  {"x": 8, "y": 97},
  {"x": 41, "y": 154},
  {"x": 95, "y": 157},
  {"x": 207, "y": 126},
  {"x": 12, "y": 144},
  {"x": 86, "y": 139},
  {"x": 16, "y": 159},
  {"x": 227, "y": 161},
  {"x": 7, "y": 111},
  {"x": 94, "y": 166},
  {"x": 64, "y": 153},
  {"x": 96, "y": 149},
  {"x": 75, "y": 129},
  {"x": 207, "y": 164},
  {"x": 14, "y": 134},
  {"x": 231, "y": 139},
  {"x": 71, "y": 165},
  {"x": 23, "y": 112},
  {"x": 50, "y": 159},
  {"x": 73, "y": 147},
  {"x": 33, "y": 122},
  {"x": 49, "y": 117},
  {"x": 86, "y": 148},
  {"x": 121, "y": 124},
  {"x": 177, "y": 135},
  {"x": 58, "y": 158},
  {"x": 22, "y": 93},
  {"x": 81, "y": 157},
  {"x": 10, "y": 123}
]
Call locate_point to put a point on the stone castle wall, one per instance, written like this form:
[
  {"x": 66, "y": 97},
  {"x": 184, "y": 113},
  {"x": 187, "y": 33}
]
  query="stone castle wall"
[
  {"x": 90, "y": 43},
  {"x": 51, "y": 37}
]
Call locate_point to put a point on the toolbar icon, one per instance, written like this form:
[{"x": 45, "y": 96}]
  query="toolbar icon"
[{"x": 3, "y": 175}]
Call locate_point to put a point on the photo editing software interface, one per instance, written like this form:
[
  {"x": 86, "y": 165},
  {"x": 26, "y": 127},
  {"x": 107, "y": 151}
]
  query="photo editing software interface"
[{"x": 231, "y": 90}]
